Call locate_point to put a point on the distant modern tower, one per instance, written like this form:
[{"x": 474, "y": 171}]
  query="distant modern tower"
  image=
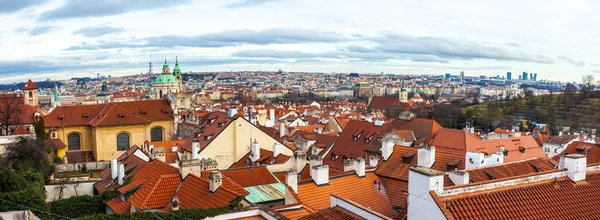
[
  {"x": 530, "y": 76},
  {"x": 524, "y": 76},
  {"x": 535, "y": 77},
  {"x": 150, "y": 66},
  {"x": 462, "y": 76},
  {"x": 98, "y": 76},
  {"x": 509, "y": 76}
]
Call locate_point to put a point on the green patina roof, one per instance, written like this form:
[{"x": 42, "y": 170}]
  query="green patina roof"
[
  {"x": 265, "y": 193},
  {"x": 165, "y": 78},
  {"x": 176, "y": 70}
]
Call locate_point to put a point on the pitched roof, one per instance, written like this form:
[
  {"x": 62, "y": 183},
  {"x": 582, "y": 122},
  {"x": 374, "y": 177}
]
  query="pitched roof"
[
  {"x": 423, "y": 129},
  {"x": 55, "y": 144},
  {"x": 20, "y": 130},
  {"x": 351, "y": 143},
  {"x": 194, "y": 193},
  {"x": 119, "y": 206},
  {"x": 454, "y": 140},
  {"x": 549, "y": 199},
  {"x": 30, "y": 85},
  {"x": 382, "y": 103},
  {"x": 132, "y": 165},
  {"x": 346, "y": 186},
  {"x": 335, "y": 212},
  {"x": 170, "y": 157},
  {"x": 211, "y": 126},
  {"x": 80, "y": 156},
  {"x": 511, "y": 169},
  {"x": 592, "y": 152},
  {"x": 109, "y": 114},
  {"x": 251, "y": 176},
  {"x": 266, "y": 158},
  {"x": 156, "y": 194}
]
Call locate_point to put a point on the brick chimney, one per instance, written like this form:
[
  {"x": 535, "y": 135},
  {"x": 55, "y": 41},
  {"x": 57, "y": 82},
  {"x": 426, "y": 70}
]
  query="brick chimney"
[
  {"x": 158, "y": 153},
  {"x": 359, "y": 166},
  {"x": 320, "y": 174},
  {"x": 189, "y": 167},
  {"x": 348, "y": 164},
  {"x": 459, "y": 177},
  {"x": 576, "y": 165},
  {"x": 426, "y": 156},
  {"x": 291, "y": 179},
  {"x": 215, "y": 179}
]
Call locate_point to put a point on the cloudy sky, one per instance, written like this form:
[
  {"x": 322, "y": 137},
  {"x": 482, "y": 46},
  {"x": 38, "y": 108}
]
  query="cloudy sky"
[{"x": 59, "y": 39}]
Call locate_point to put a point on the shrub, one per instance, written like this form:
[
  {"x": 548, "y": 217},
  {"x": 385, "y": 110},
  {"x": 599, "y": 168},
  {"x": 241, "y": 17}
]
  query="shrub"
[
  {"x": 78, "y": 206},
  {"x": 10, "y": 181},
  {"x": 172, "y": 215}
]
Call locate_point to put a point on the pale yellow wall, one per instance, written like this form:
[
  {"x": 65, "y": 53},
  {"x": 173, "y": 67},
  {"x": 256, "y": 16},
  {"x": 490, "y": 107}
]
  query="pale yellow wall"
[
  {"x": 333, "y": 125},
  {"x": 103, "y": 140},
  {"x": 234, "y": 142}
]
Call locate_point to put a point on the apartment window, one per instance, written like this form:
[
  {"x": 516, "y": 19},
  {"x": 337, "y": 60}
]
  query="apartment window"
[
  {"x": 156, "y": 134},
  {"x": 122, "y": 141},
  {"x": 74, "y": 141}
]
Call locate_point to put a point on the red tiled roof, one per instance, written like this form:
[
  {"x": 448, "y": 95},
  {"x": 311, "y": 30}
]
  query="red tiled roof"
[
  {"x": 170, "y": 157},
  {"x": 397, "y": 166},
  {"x": 252, "y": 176},
  {"x": 335, "y": 212},
  {"x": 132, "y": 165},
  {"x": 109, "y": 114},
  {"x": 296, "y": 213},
  {"x": 549, "y": 199},
  {"x": 348, "y": 144},
  {"x": 119, "y": 206},
  {"x": 382, "y": 103},
  {"x": 30, "y": 85},
  {"x": 212, "y": 124},
  {"x": 20, "y": 130},
  {"x": 511, "y": 169},
  {"x": 266, "y": 158},
  {"x": 194, "y": 193},
  {"x": 157, "y": 194},
  {"x": 347, "y": 186},
  {"x": 592, "y": 152},
  {"x": 82, "y": 156},
  {"x": 227, "y": 183},
  {"x": 55, "y": 144}
]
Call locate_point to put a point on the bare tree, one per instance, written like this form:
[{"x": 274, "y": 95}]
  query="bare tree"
[{"x": 11, "y": 106}]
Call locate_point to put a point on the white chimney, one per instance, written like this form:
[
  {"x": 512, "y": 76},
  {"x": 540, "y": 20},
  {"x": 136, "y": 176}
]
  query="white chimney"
[
  {"x": 320, "y": 174},
  {"x": 373, "y": 160},
  {"x": 121, "y": 174},
  {"x": 576, "y": 165},
  {"x": 232, "y": 112},
  {"x": 359, "y": 166},
  {"x": 215, "y": 179},
  {"x": 315, "y": 160},
  {"x": 195, "y": 148},
  {"x": 277, "y": 149},
  {"x": 113, "y": 168},
  {"x": 387, "y": 148},
  {"x": 300, "y": 160},
  {"x": 174, "y": 148},
  {"x": 348, "y": 164},
  {"x": 426, "y": 156},
  {"x": 459, "y": 177},
  {"x": 422, "y": 205},
  {"x": 150, "y": 147},
  {"x": 291, "y": 178},
  {"x": 272, "y": 115},
  {"x": 254, "y": 151},
  {"x": 282, "y": 129}
]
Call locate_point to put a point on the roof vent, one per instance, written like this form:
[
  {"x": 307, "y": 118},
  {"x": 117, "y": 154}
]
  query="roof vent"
[{"x": 522, "y": 149}]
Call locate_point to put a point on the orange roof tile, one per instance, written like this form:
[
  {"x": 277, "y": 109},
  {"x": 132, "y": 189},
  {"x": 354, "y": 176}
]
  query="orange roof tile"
[
  {"x": 295, "y": 213},
  {"x": 251, "y": 176},
  {"x": 332, "y": 213},
  {"x": 20, "y": 130},
  {"x": 194, "y": 193},
  {"x": 346, "y": 186},
  {"x": 30, "y": 85},
  {"x": 119, "y": 206},
  {"x": 157, "y": 194},
  {"x": 266, "y": 158},
  {"x": 511, "y": 169},
  {"x": 592, "y": 152}
]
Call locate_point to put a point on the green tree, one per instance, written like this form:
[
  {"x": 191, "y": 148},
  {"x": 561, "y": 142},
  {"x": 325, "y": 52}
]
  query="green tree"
[
  {"x": 587, "y": 85},
  {"x": 40, "y": 128},
  {"x": 28, "y": 153}
]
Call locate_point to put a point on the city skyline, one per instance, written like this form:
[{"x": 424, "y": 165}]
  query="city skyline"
[{"x": 63, "y": 39}]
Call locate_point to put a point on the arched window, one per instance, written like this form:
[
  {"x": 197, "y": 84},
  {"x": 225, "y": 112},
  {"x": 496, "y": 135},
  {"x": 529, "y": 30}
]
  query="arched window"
[
  {"x": 30, "y": 94},
  {"x": 160, "y": 94},
  {"x": 122, "y": 141},
  {"x": 156, "y": 134},
  {"x": 74, "y": 141}
]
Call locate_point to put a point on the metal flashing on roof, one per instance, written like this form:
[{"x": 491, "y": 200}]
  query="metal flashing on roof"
[{"x": 265, "y": 193}]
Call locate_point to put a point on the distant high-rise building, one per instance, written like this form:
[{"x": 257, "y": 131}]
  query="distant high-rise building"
[
  {"x": 447, "y": 76},
  {"x": 150, "y": 71},
  {"x": 520, "y": 77},
  {"x": 535, "y": 77},
  {"x": 524, "y": 76},
  {"x": 509, "y": 75},
  {"x": 462, "y": 76},
  {"x": 530, "y": 76}
]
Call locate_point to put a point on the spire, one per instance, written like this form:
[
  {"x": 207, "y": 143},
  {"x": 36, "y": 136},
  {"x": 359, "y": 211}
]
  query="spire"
[
  {"x": 165, "y": 68},
  {"x": 56, "y": 100},
  {"x": 176, "y": 70}
]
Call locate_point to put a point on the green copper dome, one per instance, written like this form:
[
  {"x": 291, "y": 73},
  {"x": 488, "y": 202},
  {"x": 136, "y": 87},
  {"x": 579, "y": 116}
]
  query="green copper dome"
[
  {"x": 165, "y": 68},
  {"x": 176, "y": 70},
  {"x": 165, "y": 78}
]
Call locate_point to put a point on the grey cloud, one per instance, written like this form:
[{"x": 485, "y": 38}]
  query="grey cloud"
[
  {"x": 98, "y": 31},
  {"x": 513, "y": 44},
  {"x": 573, "y": 62},
  {"x": 275, "y": 54},
  {"x": 85, "y": 8},
  {"x": 452, "y": 49},
  {"x": 10, "y": 6},
  {"x": 33, "y": 66},
  {"x": 595, "y": 71},
  {"x": 221, "y": 39},
  {"x": 248, "y": 3},
  {"x": 300, "y": 56},
  {"x": 39, "y": 30}
]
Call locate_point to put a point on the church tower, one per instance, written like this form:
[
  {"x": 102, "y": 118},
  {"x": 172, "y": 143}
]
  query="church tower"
[
  {"x": 31, "y": 94},
  {"x": 403, "y": 94},
  {"x": 56, "y": 101},
  {"x": 165, "y": 68}
]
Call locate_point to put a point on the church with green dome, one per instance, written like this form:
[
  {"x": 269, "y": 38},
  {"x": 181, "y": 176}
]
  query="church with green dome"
[{"x": 168, "y": 82}]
